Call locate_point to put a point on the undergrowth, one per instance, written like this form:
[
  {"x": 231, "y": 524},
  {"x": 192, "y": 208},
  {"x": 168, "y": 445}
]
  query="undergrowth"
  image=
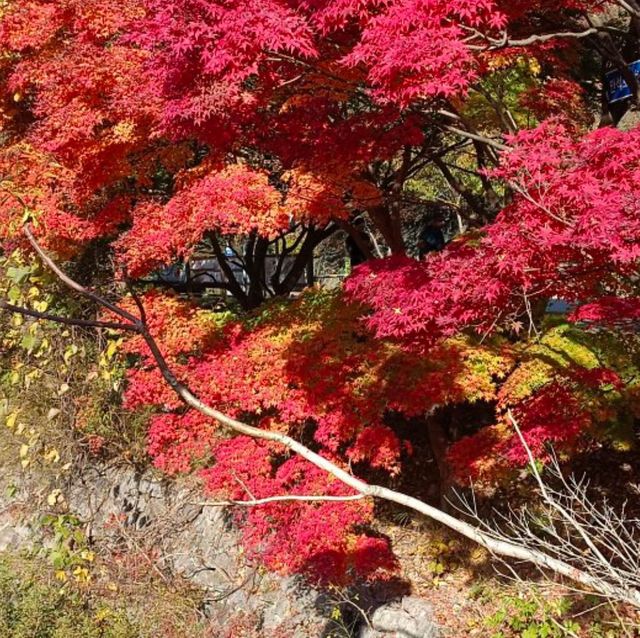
[{"x": 35, "y": 604}]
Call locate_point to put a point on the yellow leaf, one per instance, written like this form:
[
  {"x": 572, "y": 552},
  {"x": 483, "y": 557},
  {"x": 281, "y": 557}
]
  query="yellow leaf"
[
  {"x": 82, "y": 574},
  {"x": 70, "y": 352},
  {"x": 534, "y": 66},
  {"x": 54, "y": 497},
  {"x": 61, "y": 576},
  {"x": 102, "y": 614},
  {"x": 10, "y": 421},
  {"x": 24, "y": 450},
  {"x": 112, "y": 348},
  {"x": 52, "y": 456}
]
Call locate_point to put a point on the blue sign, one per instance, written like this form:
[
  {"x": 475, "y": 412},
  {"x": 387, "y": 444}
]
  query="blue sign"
[{"x": 616, "y": 87}]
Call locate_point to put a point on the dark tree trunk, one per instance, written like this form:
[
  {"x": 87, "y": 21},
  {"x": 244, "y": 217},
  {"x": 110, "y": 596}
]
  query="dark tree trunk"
[
  {"x": 439, "y": 444},
  {"x": 302, "y": 259}
]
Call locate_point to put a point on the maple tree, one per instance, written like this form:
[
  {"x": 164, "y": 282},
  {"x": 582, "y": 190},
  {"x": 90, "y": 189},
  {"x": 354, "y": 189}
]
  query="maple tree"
[
  {"x": 161, "y": 130},
  {"x": 313, "y": 94},
  {"x": 310, "y": 362}
]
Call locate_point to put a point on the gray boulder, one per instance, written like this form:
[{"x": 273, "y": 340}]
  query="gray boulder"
[{"x": 410, "y": 617}]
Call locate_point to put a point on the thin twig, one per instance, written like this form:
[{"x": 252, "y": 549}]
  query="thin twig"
[
  {"x": 282, "y": 498},
  {"x": 69, "y": 321}
]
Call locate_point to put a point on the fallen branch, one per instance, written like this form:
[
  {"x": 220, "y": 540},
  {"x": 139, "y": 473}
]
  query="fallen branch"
[
  {"x": 487, "y": 539},
  {"x": 594, "y": 538},
  {"x": 564, "y": 513}
]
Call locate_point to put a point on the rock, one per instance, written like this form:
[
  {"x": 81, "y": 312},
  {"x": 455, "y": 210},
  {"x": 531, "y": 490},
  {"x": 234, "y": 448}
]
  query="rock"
[
  {"x": 124, "y": 506},
  {"x": 196, "y": 542},
  {"x": 16, "y": 527},
  {"x": 14, "y": 536},
  {"x": 629, "y": 120},
  {"x": 410, "y": 617}
]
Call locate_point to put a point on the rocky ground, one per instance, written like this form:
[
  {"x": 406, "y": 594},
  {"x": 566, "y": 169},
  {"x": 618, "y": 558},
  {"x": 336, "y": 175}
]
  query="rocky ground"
[
  {"x": 146, "y": 530},
  {"x": 182, "y": 537}
]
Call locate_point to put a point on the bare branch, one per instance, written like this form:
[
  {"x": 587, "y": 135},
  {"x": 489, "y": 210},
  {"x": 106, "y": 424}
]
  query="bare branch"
[
  {"x": 554, "y": 502},
  {"x": 135, "y": 297},
  {"x": 634, "y": 11},
  {"x": 283, "y": 498},
  {"x": 505, "y": 41},
  {"x": 532, "y": 39},
  {"x": 594, "y": 539},
  {"x": 616, "y": 589},
  {"x": 73, "y": 284},
  {"x": 478, "y": 138},
  {"x": 69, "y": 321}
]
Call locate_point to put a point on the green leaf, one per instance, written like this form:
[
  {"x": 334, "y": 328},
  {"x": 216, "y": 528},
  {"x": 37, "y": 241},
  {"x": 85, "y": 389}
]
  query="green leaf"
[
  {"x": 28, "y": 342},
  {"x": 14, "y": 294},
  {"x": 531, "y": 632},
  {"x": 70, "y": 352},
  {"x": 18, "y": 275},
  {"x": 58, "y": 559}
]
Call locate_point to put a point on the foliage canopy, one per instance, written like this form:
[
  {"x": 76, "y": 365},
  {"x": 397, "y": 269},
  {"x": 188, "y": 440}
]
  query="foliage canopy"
[{"x": 150, "y": 130}]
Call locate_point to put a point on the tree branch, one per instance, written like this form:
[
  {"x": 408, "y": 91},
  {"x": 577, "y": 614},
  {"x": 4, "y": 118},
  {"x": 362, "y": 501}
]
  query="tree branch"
[
  {"x": 478, "y": 138},
  {"x": 506, "y": 41},
  {"x": 284, "y": 498},
  {"x": 233, "y": 286},
  {"x": 627, "y": 6},
  {"x": 73, "y": 284},
  {"x": 487, "y": 539},
  {"x": 69, "y": 321}
]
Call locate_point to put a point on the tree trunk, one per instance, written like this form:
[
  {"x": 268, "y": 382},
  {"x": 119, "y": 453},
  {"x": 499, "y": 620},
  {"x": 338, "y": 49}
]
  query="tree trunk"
[{"x": 439, "y": 444}]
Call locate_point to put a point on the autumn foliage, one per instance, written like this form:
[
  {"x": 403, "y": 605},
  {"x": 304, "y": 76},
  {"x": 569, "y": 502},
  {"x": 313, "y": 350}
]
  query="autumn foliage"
[
  {"x": 150, "y": 130},
  {"x": 310, "y": 370}
]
